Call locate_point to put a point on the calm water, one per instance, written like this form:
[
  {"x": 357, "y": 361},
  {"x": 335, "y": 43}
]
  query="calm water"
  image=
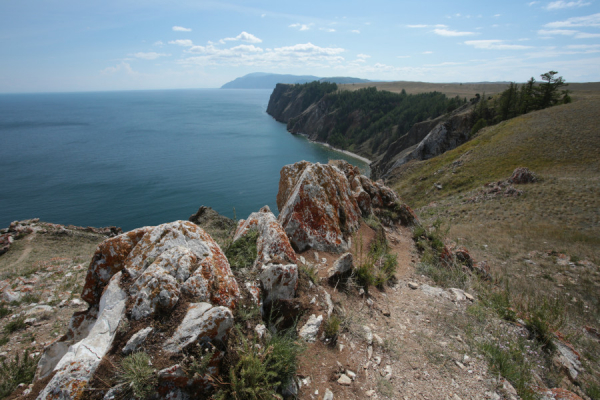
[{"x": 142, "y": 158}]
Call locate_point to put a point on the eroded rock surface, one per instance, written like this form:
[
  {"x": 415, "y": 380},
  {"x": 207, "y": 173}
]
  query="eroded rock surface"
[
  {"x": 276, "y": 261},
  {"x": 147, "y": 272}
]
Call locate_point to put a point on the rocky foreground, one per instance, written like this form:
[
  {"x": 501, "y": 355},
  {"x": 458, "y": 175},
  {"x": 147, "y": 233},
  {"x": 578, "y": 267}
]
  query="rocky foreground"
[{"x": 171, "y": 293}]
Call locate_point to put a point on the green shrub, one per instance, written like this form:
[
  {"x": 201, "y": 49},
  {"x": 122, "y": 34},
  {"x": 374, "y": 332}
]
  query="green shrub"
[
  {"x": 16, "y": 324},
  {"x": 259, "y": 371},
  {"x": 482, "y": 123},
  {"x": 15, "y": 372},
  {"x": 4, "y": 310},
  {"x": 332, "y": 327},
  {"x": 243, "y": 252},
  {"x": 4, "y": 339},
  {"x": 137, "y": 375},
  {"x": 373, "y": 222},
  {"x": 311, "y": 272}
]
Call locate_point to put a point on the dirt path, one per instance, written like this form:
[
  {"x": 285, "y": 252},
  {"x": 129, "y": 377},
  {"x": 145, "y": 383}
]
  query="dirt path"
[
  {"x": 413, "y": 350},
  {"x": 24, "y": 254}
]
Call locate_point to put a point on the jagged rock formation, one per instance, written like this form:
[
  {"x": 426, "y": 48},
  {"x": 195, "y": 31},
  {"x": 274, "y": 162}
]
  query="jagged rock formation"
[
  {"x": 169, "y": 290},
  {"x": 132, "y": 277},
  {"x": 276, "y": 262},
  {"x": 321, "y": 205}
]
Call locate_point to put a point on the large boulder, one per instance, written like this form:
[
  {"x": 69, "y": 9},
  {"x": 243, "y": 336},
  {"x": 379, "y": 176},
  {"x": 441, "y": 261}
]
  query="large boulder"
[
  {"x": 317, "y": 209},
  {"x": 276, "y": 261},
  {"x": 134, "y": 282}
]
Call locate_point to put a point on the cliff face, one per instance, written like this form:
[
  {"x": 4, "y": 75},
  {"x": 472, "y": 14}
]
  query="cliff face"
[
  {"x": 320, "y": 120},
  {"x": 286, "y": 102},
  {"x": 425, "y": 140}
]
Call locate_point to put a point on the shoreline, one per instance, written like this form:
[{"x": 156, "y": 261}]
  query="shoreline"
[{"x": 346, "y": 152}]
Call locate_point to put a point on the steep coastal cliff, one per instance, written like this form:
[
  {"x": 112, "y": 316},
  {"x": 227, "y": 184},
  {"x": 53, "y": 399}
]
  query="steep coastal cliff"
[{"x": 389, "y": 128}]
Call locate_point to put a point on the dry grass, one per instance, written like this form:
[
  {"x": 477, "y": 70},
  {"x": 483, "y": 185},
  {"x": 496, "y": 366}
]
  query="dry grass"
[{"x": 523, "y": 238}]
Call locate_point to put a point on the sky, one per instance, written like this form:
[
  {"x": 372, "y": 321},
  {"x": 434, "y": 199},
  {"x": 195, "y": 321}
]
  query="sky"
[{"x": 80, "y": 45}]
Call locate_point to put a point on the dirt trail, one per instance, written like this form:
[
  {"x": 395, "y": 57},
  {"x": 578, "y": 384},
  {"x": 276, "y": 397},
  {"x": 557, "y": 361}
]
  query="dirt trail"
[
  {"x": 25, "y": 253},
  {"x": 416, "y": 351}
]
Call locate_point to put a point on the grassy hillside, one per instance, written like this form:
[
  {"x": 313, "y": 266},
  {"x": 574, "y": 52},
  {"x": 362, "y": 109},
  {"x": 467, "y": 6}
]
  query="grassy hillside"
[{"x": 544, "y": 245}]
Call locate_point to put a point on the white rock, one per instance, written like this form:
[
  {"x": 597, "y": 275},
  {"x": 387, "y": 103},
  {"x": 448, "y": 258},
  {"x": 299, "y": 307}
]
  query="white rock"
[
  {"x": 413, "y": 285},
  {"x": 78, "y": 365},
  {"x": 378, "y": 339},
  {"x": 344, "y": 380},
  {"x": 351, "y": 374},
  {"x": 369, "y": 352},
  {"x": 311, "y": 328},
  {"x": 368, "y": 334},
  {"x": 201, "y": 322},
  {"x": 328, "y": 395},
  {"x": 341, "y": 266},
  {"x": 136, "y": 340},
  {"x": 261, "y": 330},
  {"x": 457, "y": 294}
]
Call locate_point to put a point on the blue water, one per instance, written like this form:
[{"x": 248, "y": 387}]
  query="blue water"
[{"x": 132, "y": 159}]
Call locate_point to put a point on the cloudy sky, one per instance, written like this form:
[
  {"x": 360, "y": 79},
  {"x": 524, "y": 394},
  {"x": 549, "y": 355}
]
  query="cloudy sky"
[{"x": 74, "y": 45}]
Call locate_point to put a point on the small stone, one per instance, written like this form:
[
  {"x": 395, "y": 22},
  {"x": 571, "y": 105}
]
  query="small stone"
[
  {"x": 370, "y": 393},
  {"x": 341, "y": 347},
  {"x": 30, "y": 321},
  {"x": 469, "y": 297},
  {"x": 316, "y": 256},
  {"x": 328, "y": 395},
  {"x": 367, "y": 365},
  {"x": 311, "y": 328},
  {"x": 377, "y": 360},
  {"x": 261, "y": 330},
  {"x": 378, "y": 339},
  {"x": 368, "y": 334},
  {"x": 344, "y": 380},
  {"x": 460, "y": 365},
  {"x": 351, "y": 374},
  {"x": 302, "y": 260},
  {"x": 369, "y": 352},
  {"x": 413, "y": 285},
  {"x": 137, "y": 340}
]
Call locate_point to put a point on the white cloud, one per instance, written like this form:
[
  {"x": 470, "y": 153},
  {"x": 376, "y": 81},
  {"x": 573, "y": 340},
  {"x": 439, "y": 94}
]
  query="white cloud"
[
  {"x": 560, "y": 4},
  {"x": 444, "y": 64},
  {"x": 552, "y": 32},
  {"x": 533, "y": 3},
  {"x": 495, "y": 45},
  {"x": 245, "y": 37},
  {"x": 182, "y": 42},
  {"x": 263, "y": 15},
  {"x": 363, "y": 56},
  {"x": 302, "y": 27},
  {"x": 181, "y": 29},
  {"x": 588, "y": 20},
  {"x": 158, "y": 43},
  {"x": 427, "y": 52},
  {"x": 355, "y": 31},
  {"x": 402, "y": 56},
  {"x": 125, "y": 67},
  {"x": 417, "y": 26},
  {"x": 250, "y": 55},
  {"x": 583, "y": 35},
  {"x": 150, "y": 55},
  {"x": 584, "y": 46},
  {"x": 327, "y": 29},
  {"x": 447, "y": 32},
  {"x": 497, "y": 15}
]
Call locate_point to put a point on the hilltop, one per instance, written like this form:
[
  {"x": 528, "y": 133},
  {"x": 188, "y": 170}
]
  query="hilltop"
[{"x": 262, "y": 80}]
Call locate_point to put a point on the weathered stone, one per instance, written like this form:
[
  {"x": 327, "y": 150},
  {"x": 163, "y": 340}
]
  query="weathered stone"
[
  {"x": 363, "y": 200},
  {"x": 457, "y": 294},
  {"x": 316, "y": 206},
  {"x": 413, "y": 285},
  {"x": 558, "y": 394},
  {"x": 344, "y": 380},
  {"x": 341, "y": 266},
  {"x": 567, "y": 358},
  {"x": 137, "y": 340},
  {"x": 328, "y": 395},
  {"x": 202, "y": 322},
  {"x": 311, "y": 328},
  {"x": 276, "y": 260},
  {"x": 367, "y": 334},
  {"x": 76, "y": 367},
  {"x": 522, "y": 175}
]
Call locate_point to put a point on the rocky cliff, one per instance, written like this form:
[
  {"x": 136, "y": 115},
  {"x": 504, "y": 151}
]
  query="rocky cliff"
[{"x": 322, "y": 119}]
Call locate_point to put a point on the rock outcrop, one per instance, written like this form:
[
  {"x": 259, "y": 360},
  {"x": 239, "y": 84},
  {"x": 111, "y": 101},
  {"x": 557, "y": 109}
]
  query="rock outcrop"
[
  {"x": 135, "y": 277},
  {"x": 276, "y": 263},
  {"x": 320, "y": 206}
]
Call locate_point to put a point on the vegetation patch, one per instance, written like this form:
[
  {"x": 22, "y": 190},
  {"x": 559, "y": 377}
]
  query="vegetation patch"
[
  {"x": 137, "y": 375},
  {"x": 16, "y": 371},
  {"x": 243, "y": 252},
  {"x": 379, "y": 265}
]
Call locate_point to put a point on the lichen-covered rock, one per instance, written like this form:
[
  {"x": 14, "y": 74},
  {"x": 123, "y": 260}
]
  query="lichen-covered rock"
[
  {"x": 156, "y": 266},
  {"x": 311, "y": 328},
  {"x": 363, "y": 200},
  {"x": 276, "y": 261},
  {"x": 317, "y": 209}
]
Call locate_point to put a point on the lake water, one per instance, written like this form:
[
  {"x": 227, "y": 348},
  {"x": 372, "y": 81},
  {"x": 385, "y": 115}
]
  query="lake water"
[{"x": 143, "y": 158}]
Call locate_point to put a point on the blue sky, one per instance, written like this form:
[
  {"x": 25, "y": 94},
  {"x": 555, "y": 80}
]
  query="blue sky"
[{"x": 152, "y": 44}]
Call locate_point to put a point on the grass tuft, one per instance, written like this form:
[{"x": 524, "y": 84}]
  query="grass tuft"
[
  {"x": 243, "y": 252},
  {"x": 19, "y": 370},
  {"x": 137, "y": 375}
]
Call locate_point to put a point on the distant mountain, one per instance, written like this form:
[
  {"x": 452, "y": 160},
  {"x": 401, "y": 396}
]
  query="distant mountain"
[{"x": 262, "y": 80}]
